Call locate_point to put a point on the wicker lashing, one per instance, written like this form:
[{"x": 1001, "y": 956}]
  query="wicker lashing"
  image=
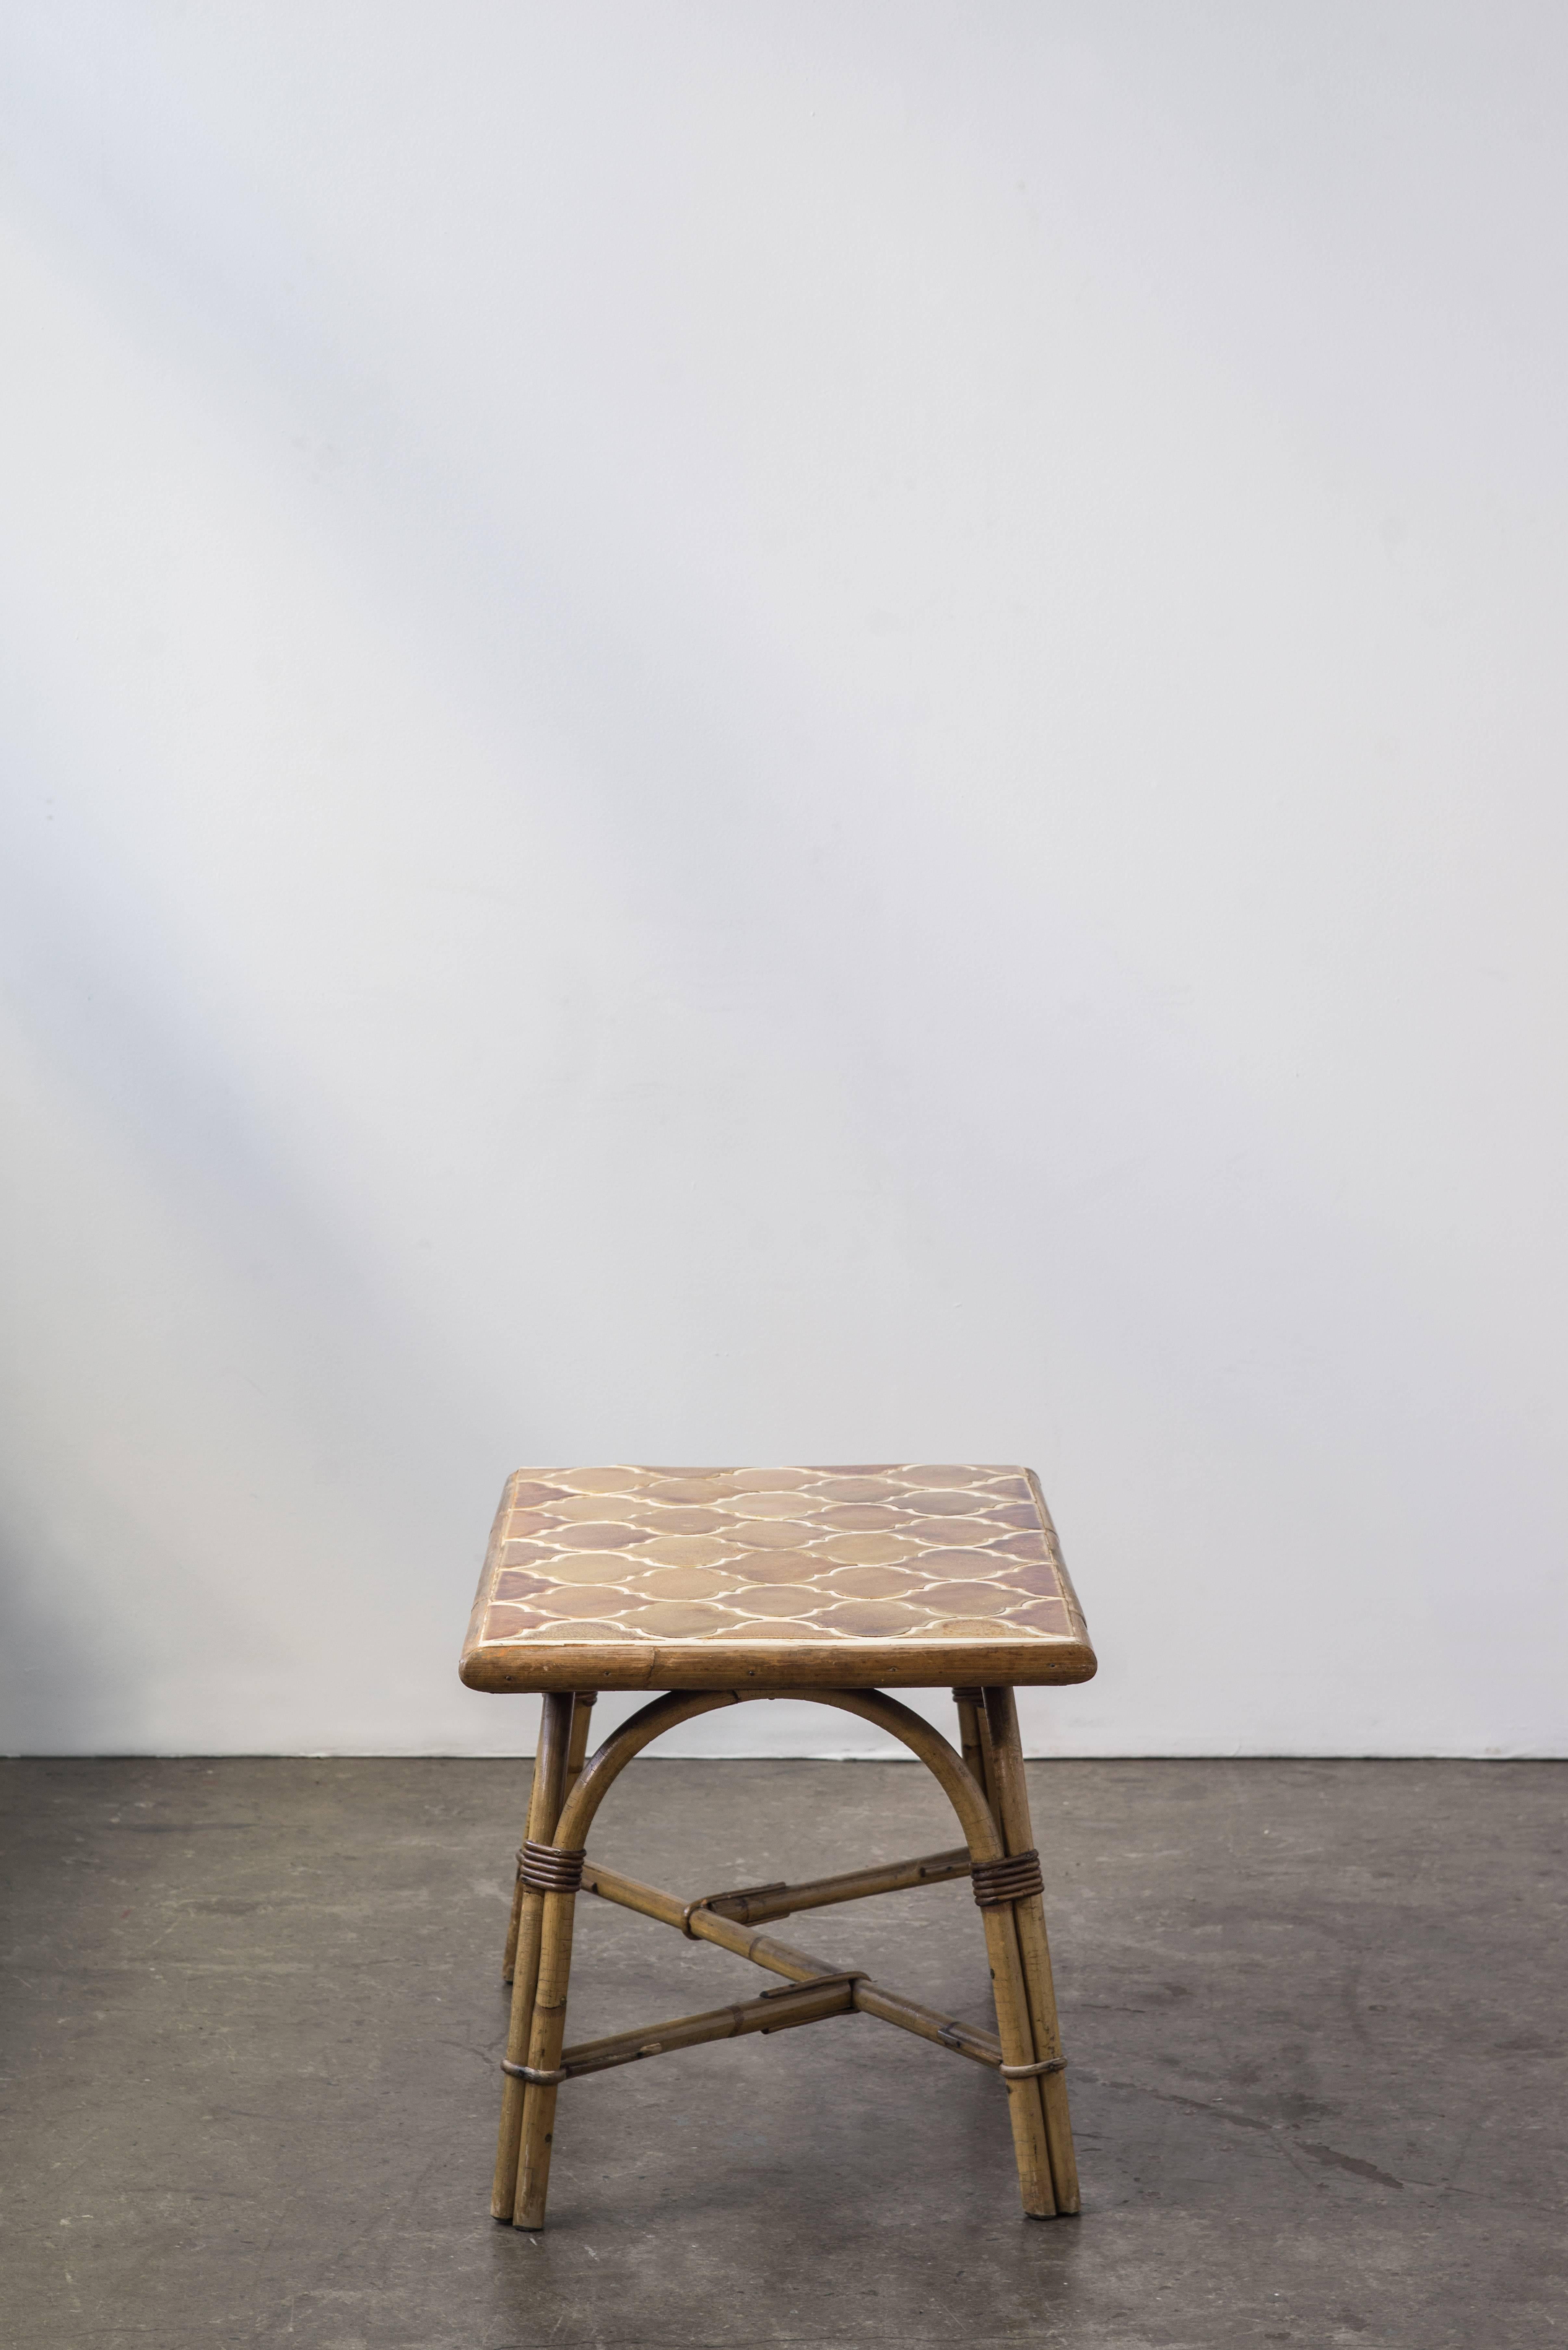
[
  {"x": 540, "y": 2080},
  {"x": 998, "y": 1882},
  {"x": 551, "y": 1868},
  {"x": 735, "y": 1893}
]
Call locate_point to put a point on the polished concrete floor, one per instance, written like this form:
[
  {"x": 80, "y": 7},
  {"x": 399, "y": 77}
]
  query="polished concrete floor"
[{"x": 1313, "y": 2009}]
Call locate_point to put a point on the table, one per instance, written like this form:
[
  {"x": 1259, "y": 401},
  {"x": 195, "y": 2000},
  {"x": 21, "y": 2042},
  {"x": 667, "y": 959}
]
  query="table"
[{"x": 833, "y": 1584}]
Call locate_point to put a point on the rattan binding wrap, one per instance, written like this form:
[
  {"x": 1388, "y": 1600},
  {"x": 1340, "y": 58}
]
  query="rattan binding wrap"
[
  {"x": 735, "y": 1893},
  {"x": 998, "y": 1882},
  {"x": 540, "y": 2080},
  {"x": 551, "y": 1868}
]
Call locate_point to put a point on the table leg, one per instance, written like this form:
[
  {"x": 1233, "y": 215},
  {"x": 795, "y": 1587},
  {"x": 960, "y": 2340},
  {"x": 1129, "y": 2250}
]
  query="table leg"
[
  {"x": 545, "y": 2044},
  {"x": 1035, "y": 1952},
  {"x": 544, "y": 1810},
  {"x": 576, "y": 1753}
]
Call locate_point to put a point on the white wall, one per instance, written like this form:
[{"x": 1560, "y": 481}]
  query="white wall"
[{"x": 789, "y": 731}]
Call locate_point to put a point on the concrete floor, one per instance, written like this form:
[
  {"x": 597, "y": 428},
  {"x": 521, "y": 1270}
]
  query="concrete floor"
[{"x": 252, "y": 2012}]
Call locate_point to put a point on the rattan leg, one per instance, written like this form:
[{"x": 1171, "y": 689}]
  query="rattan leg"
[
  {"x": 1034, "y": 1949},
  {"x": 1024, "y": 2110},
  {"x": 970, "y": 1704},
  {"x": 582, "y": 1719},
  {"x": 544, "y": 2045},
  {"x": 583, "y": 1703},
  {"x": 509, "y": 1962},
  {"x": 974, "y": 1736},
  {"x": 543, "y": 1809}
]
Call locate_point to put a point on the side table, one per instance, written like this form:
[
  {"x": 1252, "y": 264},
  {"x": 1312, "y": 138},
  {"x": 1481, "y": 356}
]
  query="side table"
[{"x": 834, "y": 1585}]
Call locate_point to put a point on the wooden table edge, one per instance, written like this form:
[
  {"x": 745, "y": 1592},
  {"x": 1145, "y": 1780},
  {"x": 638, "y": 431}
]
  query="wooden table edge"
[{"x": 501, "y": 1670}]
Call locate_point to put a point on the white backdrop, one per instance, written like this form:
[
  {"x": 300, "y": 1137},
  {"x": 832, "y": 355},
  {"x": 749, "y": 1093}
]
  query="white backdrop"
[{"x": 803, "y": 731}]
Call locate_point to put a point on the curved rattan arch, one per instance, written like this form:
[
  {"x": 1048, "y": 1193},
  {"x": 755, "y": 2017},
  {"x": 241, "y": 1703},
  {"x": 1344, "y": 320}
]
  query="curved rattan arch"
[{"x": 948, "y": 1768}]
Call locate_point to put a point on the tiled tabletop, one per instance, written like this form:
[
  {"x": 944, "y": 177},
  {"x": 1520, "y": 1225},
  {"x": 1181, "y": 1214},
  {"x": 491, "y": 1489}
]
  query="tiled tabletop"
[{"x": 892, "y": 1575}]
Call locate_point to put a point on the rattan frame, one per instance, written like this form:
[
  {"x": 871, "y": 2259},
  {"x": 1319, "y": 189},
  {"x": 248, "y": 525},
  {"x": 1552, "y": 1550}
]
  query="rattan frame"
[{"x": 985, "y": 1784}]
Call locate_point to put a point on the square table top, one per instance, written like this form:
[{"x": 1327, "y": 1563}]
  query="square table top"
[{"x": 892, "y": 1575}]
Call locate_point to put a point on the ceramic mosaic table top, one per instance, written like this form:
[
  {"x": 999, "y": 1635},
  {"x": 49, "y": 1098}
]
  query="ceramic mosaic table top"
[{"x": 892, "y": 1575}]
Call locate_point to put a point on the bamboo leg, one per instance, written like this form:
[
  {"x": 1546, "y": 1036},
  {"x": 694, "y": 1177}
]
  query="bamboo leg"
[
  {"x": 1012, "y": 1794},
  {"x": 582, "y": 1700},
  {"x": 545, "y": 2056},
  {"x": 526, "y": 2194},
  {"x": 509, "y": 1961},
  {"x": 582, "y": 1717},
  {"x": 970, "y": 1713},
  {"x": 1024, "y": 2110},
  {"x": 974, "y": 1735},
  {"x": 543, "y": 1809}
]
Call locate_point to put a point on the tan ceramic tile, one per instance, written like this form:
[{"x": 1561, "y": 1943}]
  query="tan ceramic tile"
[
  {"x": 581, "y": 1566},
  {"x": 769, "y": 1533},
  {"x": 685, "y": 1583},
  {"x": 937, "y": 1530},
  {"x": 946, "y": 1563},
  {"x": 669, "y": 1620},
  {"x": 583, "y": 1599},
  {"x": 754, "y": 1506},
  {"x": 776, "y": 1599},
  {"x": 869, "y": 1550},
  {"x": 941, "y": 1473},
  {"x": 867, "y": 1619},
  {"x": 525, "y": 1554},
  {"x": 1039, "y": 1581},
  {"x": 778, "y": 1566},
  {"x": 719, "y": 1487},
  {"x": 601, "y": 1534},
  {"x": 948, "y": 1502},
  {"x": 967, "y": 1598},
  {"x": 684, "y": 1550},
  {"x": 510, "y": 1623},
  {"x": 874, "y": 1582},
  {"x": 517, "y": 1583},
  {"x": 661, "y": 1519},
  {"x": 575, "y": 1509},
  {"x": 601, "y": 1481}
]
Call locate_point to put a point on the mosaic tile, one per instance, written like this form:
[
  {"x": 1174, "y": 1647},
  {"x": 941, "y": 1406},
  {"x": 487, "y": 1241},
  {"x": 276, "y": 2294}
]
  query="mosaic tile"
[
  {"x": 869, "y": 1550},
  {"x": 769, "y": 1533},
  {"x": 1039, "y": 1581},
  {"x": 777, "y": 1598},
  {"x": 685, "y": 1582},
  {"x": 584, "y": 1599},
  {"x": 684, "y": 1550},
  {"x": 897, "y": 1556}
]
